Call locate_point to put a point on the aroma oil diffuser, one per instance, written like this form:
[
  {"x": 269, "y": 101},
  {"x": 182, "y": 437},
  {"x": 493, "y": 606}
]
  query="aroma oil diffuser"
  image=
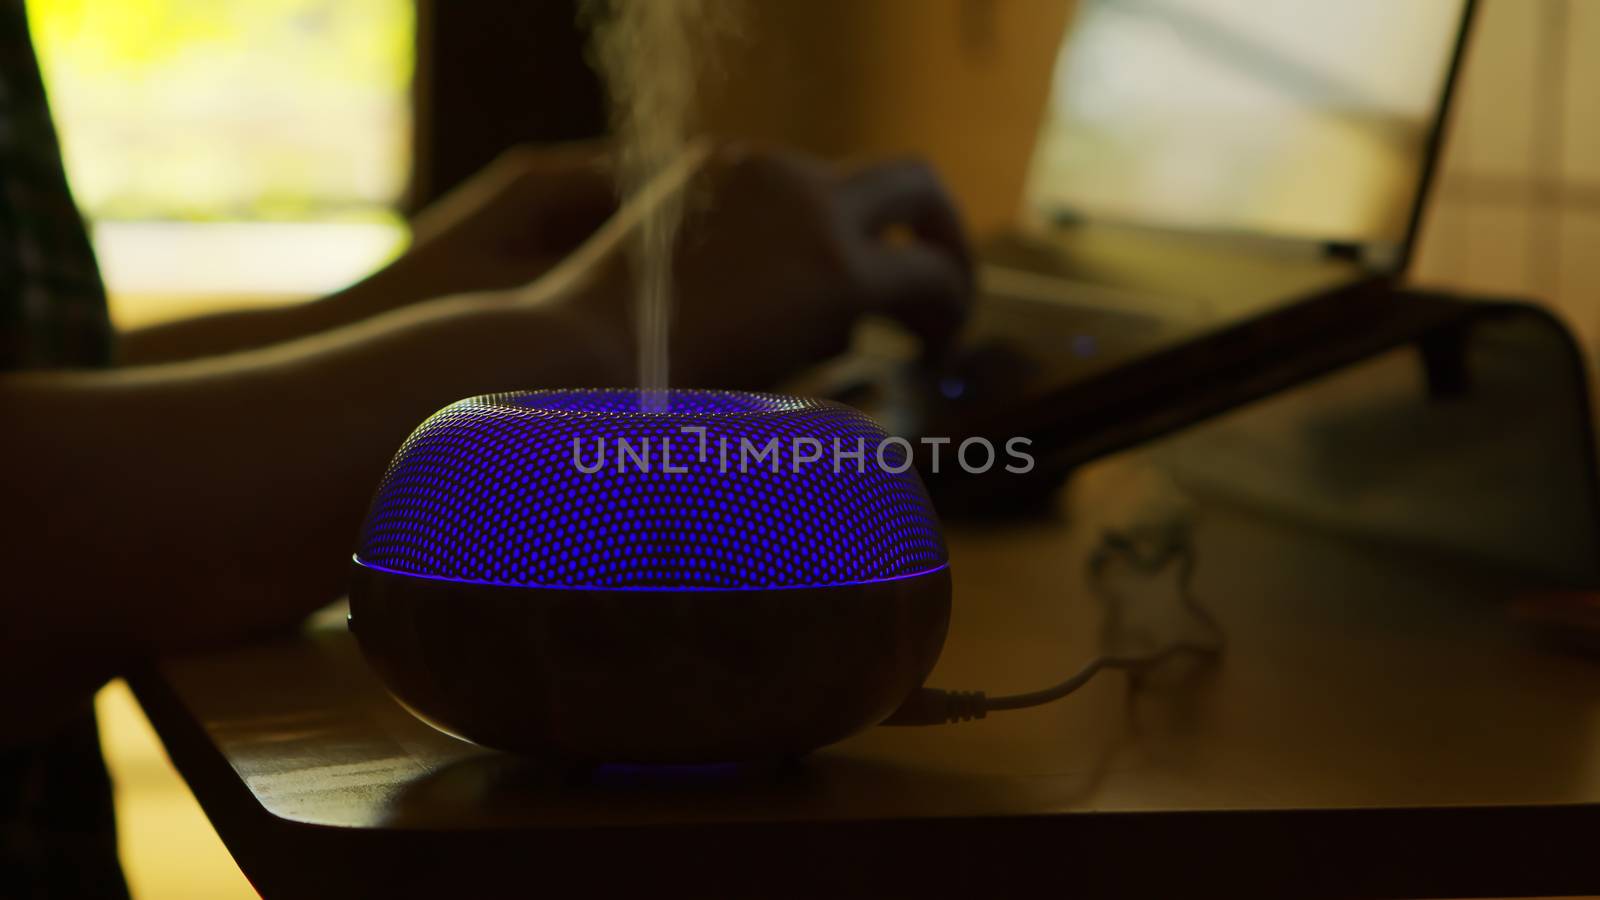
[{"x": 733, "y": 576}]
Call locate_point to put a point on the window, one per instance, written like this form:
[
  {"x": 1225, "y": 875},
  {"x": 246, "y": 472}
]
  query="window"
[{"x": 231, "y": 151}]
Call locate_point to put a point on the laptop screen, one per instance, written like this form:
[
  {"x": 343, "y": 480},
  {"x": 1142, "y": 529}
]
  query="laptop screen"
[{"x": 1292, "y": 118}]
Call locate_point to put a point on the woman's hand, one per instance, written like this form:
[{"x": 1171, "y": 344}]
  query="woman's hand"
[{"x": 780, "y": 255}]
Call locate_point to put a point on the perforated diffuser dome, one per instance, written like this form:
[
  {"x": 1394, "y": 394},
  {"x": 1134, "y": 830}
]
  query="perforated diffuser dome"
[
  {"x": 490, "y": 490},
  {"x": 539, "y": 572}
]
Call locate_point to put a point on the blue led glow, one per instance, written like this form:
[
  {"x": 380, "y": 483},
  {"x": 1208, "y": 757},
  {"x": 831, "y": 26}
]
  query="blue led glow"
[
  {"x": 487, "y": 491},
  {"x": 647, "y": 588}
]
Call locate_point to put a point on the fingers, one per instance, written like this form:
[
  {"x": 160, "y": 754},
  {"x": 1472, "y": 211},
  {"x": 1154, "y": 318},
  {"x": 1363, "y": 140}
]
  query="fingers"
[
  {"x": 920, "y": 286},
  {"x": 905, "y": 193},
  {"x": 925, "y": 283}
]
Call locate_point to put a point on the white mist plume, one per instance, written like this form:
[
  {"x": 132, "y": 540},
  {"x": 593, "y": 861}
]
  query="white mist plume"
[{"x": 649, "y": 53}]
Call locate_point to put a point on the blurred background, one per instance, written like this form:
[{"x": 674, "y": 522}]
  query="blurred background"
[{"x": 240, "y": 152}]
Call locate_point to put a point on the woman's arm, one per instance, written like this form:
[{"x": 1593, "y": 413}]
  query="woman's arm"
[
  {"x": 155, "y": 509},
  {"x": 399, "y": 284},
  {"x": 502, "y": 228}
]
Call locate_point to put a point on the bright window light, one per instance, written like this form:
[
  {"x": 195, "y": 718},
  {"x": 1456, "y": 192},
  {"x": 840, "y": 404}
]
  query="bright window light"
[{"x": 231, "y": 152}]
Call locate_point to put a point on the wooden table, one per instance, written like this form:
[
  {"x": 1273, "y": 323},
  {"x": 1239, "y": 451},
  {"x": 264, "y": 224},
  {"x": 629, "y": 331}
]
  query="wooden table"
[{"x": 1377, "y": 726}]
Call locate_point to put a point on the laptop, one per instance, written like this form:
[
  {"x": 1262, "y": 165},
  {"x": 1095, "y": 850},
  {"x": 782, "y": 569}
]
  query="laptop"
[{"x": 1218, "y": 189}]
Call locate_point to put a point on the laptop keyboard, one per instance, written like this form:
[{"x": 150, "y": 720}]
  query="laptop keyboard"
[
  {"x": 1016, "y": 343},
  {"x": 1039, "y": 334}
]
